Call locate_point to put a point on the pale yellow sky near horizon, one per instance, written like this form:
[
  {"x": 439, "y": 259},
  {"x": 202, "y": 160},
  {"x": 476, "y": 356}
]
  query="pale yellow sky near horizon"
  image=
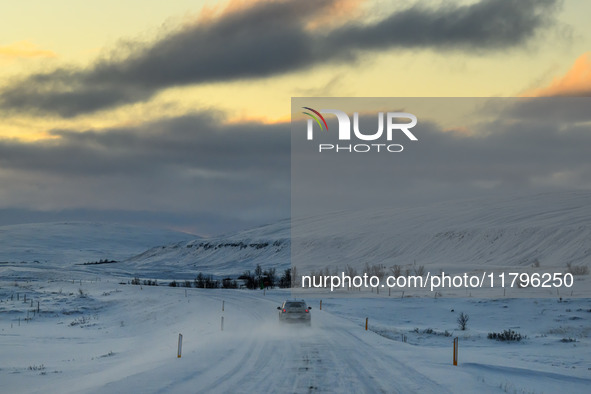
[{"x": 42, "y": 35}]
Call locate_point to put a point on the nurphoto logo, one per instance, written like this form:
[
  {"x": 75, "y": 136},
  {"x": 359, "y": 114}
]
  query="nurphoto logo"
[{"x": 393, "y": 124}]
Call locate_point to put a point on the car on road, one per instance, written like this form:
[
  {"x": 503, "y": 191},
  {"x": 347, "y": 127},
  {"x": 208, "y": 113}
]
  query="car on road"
[{"x": 295, "y": 311}]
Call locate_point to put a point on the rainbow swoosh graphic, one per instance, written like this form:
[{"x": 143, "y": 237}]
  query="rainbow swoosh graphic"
[{"x": 315, "y": 115}]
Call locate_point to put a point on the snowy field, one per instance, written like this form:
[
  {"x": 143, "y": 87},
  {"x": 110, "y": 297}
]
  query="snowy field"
[
  {"x": 96, "y": 335},
  {"x": 71, "y": 327}
]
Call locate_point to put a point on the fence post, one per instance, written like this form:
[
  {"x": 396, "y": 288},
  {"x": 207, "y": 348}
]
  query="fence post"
[
  {"x": 180, "y": 345},
  {"x": 456, "y": 351}
]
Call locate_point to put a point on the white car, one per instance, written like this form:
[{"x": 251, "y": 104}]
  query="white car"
[{"x": 295, "y": 311}]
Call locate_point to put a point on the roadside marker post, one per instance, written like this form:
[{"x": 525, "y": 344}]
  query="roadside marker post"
[
  {"x": 180, "y": 346},
  {"x": 320, "y": 304},
  {"x": 456, "y": 351},
  {"x": 366, "y": 320}
]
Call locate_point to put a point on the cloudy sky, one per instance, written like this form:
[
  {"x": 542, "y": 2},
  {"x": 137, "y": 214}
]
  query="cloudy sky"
[{"x": 177, "y": 113}]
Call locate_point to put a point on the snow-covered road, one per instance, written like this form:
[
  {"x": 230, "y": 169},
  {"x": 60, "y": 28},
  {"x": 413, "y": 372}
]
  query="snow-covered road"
[
  {"x": 255, "y": 353},
  {"x": 103, "y": 337}
]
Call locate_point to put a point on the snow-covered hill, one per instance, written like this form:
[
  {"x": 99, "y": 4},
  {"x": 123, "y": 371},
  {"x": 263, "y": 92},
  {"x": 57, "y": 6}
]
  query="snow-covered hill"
[
  {"x": 231, "y": 255},
  {"x": 65, "y": 244},
  {"x": 552, "y": 229}
]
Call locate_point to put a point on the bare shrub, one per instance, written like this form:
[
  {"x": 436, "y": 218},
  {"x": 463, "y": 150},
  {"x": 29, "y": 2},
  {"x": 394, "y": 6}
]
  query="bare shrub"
[
  {"x": 419, "y": 270},
  {"x": 463, "y": 321},
  {"x": 577, "y": 270},
  {"x": 350, "y": 271},
  {"x": 375, "y": 270}
]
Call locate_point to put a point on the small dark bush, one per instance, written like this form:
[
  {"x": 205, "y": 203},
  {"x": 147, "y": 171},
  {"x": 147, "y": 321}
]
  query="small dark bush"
[
  {"x": 506, "y": 335},
  {"x": 577, "y": 270}
]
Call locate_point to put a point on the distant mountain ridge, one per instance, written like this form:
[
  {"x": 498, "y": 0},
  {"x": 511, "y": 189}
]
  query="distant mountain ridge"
[
  {"x": 268, "y": 246},
  {"x": 69, "y": 243},
  {"x": 552, "y": 229}
]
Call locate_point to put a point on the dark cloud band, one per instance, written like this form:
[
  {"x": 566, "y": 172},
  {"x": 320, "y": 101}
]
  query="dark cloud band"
[{"x": 270, "y": 39}]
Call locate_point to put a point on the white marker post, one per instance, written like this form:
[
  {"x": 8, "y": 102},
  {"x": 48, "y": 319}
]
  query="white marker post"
[{"x": 180, "y": 345}]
